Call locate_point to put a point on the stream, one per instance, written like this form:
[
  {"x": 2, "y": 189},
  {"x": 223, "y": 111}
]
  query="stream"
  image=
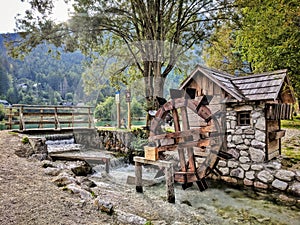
[{"x": 225, "y": 204}]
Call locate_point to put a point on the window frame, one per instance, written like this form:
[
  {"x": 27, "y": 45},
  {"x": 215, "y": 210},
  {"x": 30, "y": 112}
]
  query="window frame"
[{"x": 244, "y": 118}]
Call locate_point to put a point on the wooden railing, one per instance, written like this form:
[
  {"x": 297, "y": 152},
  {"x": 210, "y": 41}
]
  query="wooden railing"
[{"x": 27, "y": 117}]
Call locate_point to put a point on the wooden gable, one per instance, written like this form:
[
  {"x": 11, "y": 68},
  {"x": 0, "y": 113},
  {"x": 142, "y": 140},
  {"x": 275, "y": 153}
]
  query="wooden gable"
[{"x": 271, "y": 86}]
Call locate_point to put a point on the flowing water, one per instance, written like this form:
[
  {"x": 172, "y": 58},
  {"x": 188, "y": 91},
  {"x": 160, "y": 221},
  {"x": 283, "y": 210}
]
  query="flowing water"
[{"x": 227, "y": 203}]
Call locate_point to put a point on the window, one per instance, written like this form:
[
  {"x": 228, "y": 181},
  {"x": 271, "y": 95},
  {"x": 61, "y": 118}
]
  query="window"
[{"x": 244, "y": 118}]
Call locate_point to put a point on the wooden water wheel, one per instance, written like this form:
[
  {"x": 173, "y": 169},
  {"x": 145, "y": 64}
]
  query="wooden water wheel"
[{"x": 199, "y": 149}]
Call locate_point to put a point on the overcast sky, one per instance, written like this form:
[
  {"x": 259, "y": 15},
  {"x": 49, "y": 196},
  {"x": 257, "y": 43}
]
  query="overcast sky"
[{"x": 10, "y": 8}]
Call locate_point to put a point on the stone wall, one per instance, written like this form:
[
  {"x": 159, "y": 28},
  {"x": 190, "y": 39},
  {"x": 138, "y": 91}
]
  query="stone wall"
[{"x": 248, "y": 166}]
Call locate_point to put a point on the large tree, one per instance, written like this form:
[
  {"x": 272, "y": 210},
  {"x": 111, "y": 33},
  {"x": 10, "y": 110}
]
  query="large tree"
[{"x": 155, "y": 32}]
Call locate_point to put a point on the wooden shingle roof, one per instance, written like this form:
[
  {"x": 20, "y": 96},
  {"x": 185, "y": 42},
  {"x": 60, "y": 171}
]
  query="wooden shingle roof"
[{"x": 264, "y": 86}]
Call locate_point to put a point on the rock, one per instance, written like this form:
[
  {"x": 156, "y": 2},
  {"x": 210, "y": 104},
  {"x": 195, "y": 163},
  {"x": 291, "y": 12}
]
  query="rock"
[
  {"x": 224, "y": 171},
  {"x": 24, "y": 151},
  {"x": 244, "y": 153},
  {"x": 286, "y": 200},
  {"x": 237, "y": 139},
  {"x": 294, "y": 189},
  {"x": 238, "y": 172},
  {"x": 244, "y": 159},
  {"x": 234, "y": 153},
  {"x": 247, "y": 142},
  {"x": 279, "y": 184},
  {"x": 250, "y": 175},
  {"x": 256, "y": 155},
  {"x": 249, "y": 131},
  {"x": 222, "y": 163},
  {"x": 245, "y": 166},
  {"x": 38, "y": 145},
  {"x": 248, "y": 182},
  {"x": 265, "y": 176},
  {"x": 285, "y": 175},
  {"x": 260, "y": 136},
  {"x": 81, "y": 169},
  {"x": 256, "y": 167},
  {"x": 261, "y": 123},
  {"x": 104, "y": 206},
  {"x": 242, "y": 147},
  {"x": 87, "y": 182},
  {"x": 260, "y": 185},
  {"x": 64, "y": 179},
  {"x": 129, "y": 218},
  {"x": 273, "y": 165},
  {"x": 52, "y": 171},
  {"x": 258, "y": 144},
  {"x": 232, "y": 164},
  {"x": 229, "y": 180},
  {"x": 77, "y": 190}
]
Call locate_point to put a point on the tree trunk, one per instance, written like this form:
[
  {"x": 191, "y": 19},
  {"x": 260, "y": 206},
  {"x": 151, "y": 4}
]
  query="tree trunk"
[{"x": 154, "y": 86}]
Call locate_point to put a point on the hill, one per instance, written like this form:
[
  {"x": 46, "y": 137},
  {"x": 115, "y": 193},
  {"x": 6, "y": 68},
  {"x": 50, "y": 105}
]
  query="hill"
[{"x": 41, "y": 78}]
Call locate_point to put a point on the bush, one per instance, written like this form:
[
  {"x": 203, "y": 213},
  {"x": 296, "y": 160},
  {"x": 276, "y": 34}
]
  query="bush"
[{"x": 2, "y": 112}]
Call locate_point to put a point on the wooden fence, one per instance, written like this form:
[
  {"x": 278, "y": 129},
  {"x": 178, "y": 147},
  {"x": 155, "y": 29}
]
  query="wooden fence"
[{"x": 27, "y": 117}]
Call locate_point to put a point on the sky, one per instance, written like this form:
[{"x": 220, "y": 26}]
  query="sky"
[{"x": 10, "y": 8}]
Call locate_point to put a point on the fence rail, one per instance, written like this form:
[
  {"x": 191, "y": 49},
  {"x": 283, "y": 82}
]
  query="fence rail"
[{"x": 28, "y": 117}]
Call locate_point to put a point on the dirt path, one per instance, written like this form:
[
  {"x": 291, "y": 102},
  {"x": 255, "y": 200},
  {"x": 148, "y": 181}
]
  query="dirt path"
[{"x": 27, "y": 196}]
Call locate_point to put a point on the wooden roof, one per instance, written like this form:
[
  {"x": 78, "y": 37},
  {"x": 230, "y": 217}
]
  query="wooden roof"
[{"x": 264, "y": 86}]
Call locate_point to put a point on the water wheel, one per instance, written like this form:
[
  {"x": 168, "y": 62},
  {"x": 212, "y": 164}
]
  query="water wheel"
[{"x": 199, "y": 149}]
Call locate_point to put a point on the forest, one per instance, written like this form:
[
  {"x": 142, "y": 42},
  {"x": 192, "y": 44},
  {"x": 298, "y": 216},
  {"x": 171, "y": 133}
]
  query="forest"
[{"x": 50, "y": 76}]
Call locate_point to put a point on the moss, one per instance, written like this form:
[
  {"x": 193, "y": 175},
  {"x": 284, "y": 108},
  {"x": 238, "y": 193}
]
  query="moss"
[{"x": 25, "y": 140}]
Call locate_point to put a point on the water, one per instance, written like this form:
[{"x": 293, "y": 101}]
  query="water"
[
  {"x": 62, "y": 145},
  {"x": 231, "y": 206}
]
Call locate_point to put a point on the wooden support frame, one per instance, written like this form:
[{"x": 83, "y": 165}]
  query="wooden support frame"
[{"x": 169, "y": 175}]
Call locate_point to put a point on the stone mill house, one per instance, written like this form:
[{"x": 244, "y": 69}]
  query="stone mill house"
[{"x": 252, "y": 107}]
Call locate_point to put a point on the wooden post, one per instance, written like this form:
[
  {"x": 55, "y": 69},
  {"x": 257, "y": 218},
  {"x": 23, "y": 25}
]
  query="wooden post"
[
  {"x": 169, "y": 173},
  {"x": 10, "y": 116},
  {"x": 128, "y": 116},
  {"x": 22, "y": 122},
  {"x": 107, "y": 165},
  {"x": 138, "y": 177}
]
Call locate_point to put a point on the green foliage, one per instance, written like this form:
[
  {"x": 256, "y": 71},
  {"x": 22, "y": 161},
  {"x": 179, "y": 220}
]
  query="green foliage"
[
  {"x": 2, "y": 112},
  {"x": 104, "y": 110},
  {"x": 264, "y": 34},
  {"x": 137, "y": 109},
  {"x": 25, "y": 140}
]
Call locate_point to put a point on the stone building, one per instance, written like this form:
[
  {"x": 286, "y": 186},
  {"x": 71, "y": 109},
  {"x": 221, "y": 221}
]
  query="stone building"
[{"x": 253, "y": 107}]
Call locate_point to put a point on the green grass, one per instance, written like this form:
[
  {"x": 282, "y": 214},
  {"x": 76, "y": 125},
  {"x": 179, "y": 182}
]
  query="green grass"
[{"x": 294, "y": 123}]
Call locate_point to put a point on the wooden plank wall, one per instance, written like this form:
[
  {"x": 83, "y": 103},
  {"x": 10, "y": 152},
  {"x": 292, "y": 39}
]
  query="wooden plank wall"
[{"x": 273, "y": 146}]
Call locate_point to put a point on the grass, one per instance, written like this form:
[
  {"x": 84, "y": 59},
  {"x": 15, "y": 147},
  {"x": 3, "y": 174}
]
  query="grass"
[
  {"x": 291, "y": 147},
  {"x": 291, "y": 124}
]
